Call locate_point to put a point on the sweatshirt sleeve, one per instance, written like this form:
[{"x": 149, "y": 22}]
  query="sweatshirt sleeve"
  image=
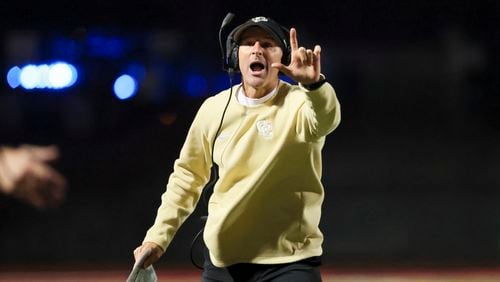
[
  {"x": 190, "y": 174},
  {"x": 319, "y": 115}
]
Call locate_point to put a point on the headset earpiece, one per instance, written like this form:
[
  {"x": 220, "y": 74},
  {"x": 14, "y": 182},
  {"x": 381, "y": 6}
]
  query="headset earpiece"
[
  {"x": 233, "y": 57},
  {"x": 232, "y": 53}
]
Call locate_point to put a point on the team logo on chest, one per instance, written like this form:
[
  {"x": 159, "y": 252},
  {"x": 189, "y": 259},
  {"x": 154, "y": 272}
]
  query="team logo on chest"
[{"x": 265, "y": 128}]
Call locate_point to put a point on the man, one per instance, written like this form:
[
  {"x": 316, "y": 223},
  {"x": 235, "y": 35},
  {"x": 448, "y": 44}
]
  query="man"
[
  {"x": 25, "y": 174},
  {"x": 264, "y": 213}
]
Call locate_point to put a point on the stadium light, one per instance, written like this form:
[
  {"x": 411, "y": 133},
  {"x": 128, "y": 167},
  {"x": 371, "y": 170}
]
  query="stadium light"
[
  {"x": 125, "y": 87},
  {"x": 57, "y": 75}
]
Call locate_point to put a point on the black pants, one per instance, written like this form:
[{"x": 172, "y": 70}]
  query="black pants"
[{"x": 306, "y": 270}]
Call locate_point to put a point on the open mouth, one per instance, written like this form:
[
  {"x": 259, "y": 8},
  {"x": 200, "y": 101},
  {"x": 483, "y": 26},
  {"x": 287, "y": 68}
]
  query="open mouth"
[{"x": 257, "y": 66}]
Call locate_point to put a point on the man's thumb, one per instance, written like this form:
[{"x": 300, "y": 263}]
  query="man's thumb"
[{"x": 281, "y": 67}]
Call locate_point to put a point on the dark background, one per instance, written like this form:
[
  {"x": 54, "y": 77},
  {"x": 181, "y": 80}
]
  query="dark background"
[{"x": 411, "y": 175}]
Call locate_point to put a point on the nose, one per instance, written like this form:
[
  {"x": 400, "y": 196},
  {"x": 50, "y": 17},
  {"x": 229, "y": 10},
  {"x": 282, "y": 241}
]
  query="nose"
[{"x": 257, "y": 48}]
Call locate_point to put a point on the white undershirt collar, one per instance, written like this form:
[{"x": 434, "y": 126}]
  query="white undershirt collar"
[{"x": 252, "y": 102}]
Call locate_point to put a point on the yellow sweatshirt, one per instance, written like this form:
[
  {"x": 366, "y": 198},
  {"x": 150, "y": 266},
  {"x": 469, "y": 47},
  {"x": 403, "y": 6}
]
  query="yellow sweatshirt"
[{"x": 266, "y": 205}]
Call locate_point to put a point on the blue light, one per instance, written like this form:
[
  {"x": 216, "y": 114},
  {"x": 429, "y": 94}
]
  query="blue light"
[
  {"x": 287, "y": 79},
  {"x": 55, "y": 76},
  {"x": 136, "y": 70},
  {"x": 13, "y": 77},
  {"x": 60, "y": 75},
  {"x": 125, "y": 87},
  {"x": 74, "y": 75},
  {"x": 107, "y": 46},
  {"x": 44, "y": 72},
  {"x": 29, "y": 77},
  {"x": 220, "y": 82},
  {"x": 196, "y": 85}
]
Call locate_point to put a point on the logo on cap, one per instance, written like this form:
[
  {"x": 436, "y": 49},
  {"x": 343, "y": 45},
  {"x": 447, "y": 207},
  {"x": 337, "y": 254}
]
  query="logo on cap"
[{"x": 259, "y": 19}]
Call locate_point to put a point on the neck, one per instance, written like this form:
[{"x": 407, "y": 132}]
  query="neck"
[{"x": 258, "y": 92}]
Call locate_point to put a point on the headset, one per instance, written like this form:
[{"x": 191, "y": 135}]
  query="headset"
[{"x": 230, "y": 62}]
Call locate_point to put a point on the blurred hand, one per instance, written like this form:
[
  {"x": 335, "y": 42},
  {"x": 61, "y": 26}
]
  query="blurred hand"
[
  {"x": 155, "y": 252},
  {"x": 26, "y": 175}
]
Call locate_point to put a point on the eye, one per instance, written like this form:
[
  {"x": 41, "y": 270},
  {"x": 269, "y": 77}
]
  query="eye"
[
  {"x": 267, "y": 44},
  {"x": 247, "y": 42}
]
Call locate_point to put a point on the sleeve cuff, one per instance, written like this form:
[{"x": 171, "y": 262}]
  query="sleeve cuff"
[{"x": 316, "y": 85}]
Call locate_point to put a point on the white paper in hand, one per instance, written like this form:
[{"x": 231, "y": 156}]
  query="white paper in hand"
[{"x": 139, "y": 274}]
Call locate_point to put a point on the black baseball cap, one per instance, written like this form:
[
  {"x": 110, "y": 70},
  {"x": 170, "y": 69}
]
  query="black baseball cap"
[{"x": 277, "y": 31}]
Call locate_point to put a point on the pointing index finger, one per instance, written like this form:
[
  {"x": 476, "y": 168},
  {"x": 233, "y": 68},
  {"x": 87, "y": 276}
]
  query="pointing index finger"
[{"x": 293, "y": 39}]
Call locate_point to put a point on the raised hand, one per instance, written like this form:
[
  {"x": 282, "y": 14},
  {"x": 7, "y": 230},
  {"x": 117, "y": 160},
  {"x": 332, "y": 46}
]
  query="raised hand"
[{"x": 305, "y": 64}]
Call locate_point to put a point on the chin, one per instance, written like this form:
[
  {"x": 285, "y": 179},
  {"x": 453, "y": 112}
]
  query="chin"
[{"x": 256, "y": 82}]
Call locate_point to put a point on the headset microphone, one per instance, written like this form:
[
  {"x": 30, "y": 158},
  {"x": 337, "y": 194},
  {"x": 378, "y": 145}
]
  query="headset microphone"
[{"x": 229, "y": 17}]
